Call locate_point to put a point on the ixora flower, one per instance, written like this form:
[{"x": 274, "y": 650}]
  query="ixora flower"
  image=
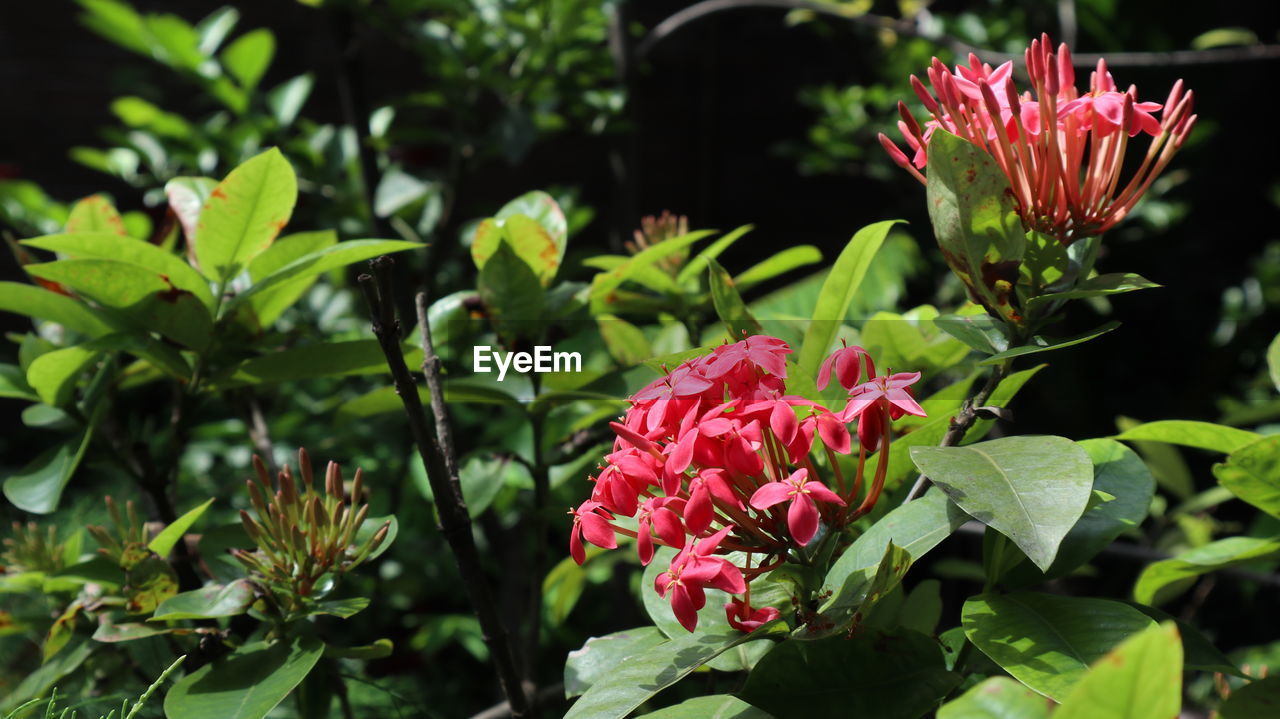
[
  {"x": 1062, "y": 150},
  {"x": 707, "y": 456}
]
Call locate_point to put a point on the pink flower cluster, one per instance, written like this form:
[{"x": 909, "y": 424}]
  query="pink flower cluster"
[
  {"x": 1061, "y": 150},
  {"x": 716, "y": 458}
]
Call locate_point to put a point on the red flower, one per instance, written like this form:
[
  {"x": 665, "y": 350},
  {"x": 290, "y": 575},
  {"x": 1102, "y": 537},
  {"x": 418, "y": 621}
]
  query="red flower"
[
  {"x": 592, "y": 522},
  {"x": 868, "y": 400},
  {"x": 691, "y": 572},
  {"x": 802, "y": 515},
  {"x": 744, "y": 619}
]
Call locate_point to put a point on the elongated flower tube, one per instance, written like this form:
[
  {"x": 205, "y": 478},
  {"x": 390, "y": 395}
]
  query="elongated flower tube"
[
  {"x": 715, "y": 459},
  {"x": 1062, "y": 150}
]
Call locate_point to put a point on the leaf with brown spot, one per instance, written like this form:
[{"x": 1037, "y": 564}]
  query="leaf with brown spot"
[
  {"x": 95, "y": 213},
  {"x": 244, "y": 214}
]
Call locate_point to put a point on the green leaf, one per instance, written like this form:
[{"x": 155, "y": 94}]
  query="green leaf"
[
  {"x": 601, "y": 656},
  {"x": 343, "y": 608},
  {"x": 148, "y": 300},
  {"x": 169, "y": 537},
  {"x": 715, "y": 706},
  {"x": 1110, "y": 284},
  {"x": 886, "y": 675},
  {"x": 53, "y": 375},
  {"x": 512, "y": 292},
  {"x": 915, "y": 528},
  {"x": 604, "y": 284},
  {"x": 1045, "y": 344},
  {"x": 911, "y": 341},
  {"x": 215, "y": 27},
  {"x": 1166, "y": 579},
  {"x": 141, "y": 254},
  {"x": 62, "y": 629},
  {"x": 695, "y": 266},
  {"x": 246, "y": 684},
  {"x": 173, "y": 41},
  {"x": 249, "y": 57},
  {"x": 1031, "y": 489},
  {"x": 13, "y": 384},
  {"x": 838, "y": 291},
  {"x": 321, "y": 359},
  {"x": 997, "y": 698},
  {"x": 117, "y": 22},
  {"x": 543, "y": 209},
  {"x": 287, "y": 98},
  {"x": 482, "y": 476},
  {"x": 1045, "y": 641},
  {"x": 206, "y": 603},
  {"x": 730, "y": 308},
  {"x": 148, "y": 583},
  {"x": 186, "y": 197},
  {"x": 1140, "y": 679},
  {"x": 1252, "y": 473},
  {"x": 320, "y": 261},
  {"x": 779, "y": 264},
  {"x": 1273, "y": 361},
  {"x": 95, "y": 214},
  {"x": 269, "y": 305},
  {"x": 858, "y": 595},
  {"x": 981, "y": 332},
  {"x": 109, "y": 632},
  {"x": 38, "y": 486},
  {"x": 975, "y": 219},
  {"x": 535, "y": 229},
  {"x": 645, "y": 674},
  {"x": 1200, "y": 654},
  {"x": 244, "y": 214},
  {"x": 372, "y": 525},
  {"x": 1121, "y": 473},
  {"x": 626, "y": 343},
  {"x": 383, "y": 400},
  {"x": 1259, "y": 699},
  {"x": 1188, "y": 433},
  {"x": 42, "y": 304}
]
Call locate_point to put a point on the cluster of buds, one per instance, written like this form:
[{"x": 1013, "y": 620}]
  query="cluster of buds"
[
  {"x": 304, "y": 537},
  {"x": 32, "y": 550},
  {"x": 654, "y": 230},
  {"x": 715, "y": 459},
  {"x": 127, "y": 547},
  {"x": 1062, "y": 151}
]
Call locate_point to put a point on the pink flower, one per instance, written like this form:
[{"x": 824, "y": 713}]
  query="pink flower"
[
  {"x": 592, "y": 522},
  {"x": 868, "y": 400},
  {"x": 706, "y": 485},
  {"x": 848, "y": 368},
  {"x": 767, "y": 353},
  {"x": 744, "y": 619},
  {"x": 1062, "y": 150},
  {"x": 659, "y": 513},
  {"x": 802, "y": 515},
  {"x": 691, "y": 572}
]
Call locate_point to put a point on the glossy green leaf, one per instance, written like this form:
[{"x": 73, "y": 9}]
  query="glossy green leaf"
[
  {"x": 698, "y": 263},
  {"x": 779, "y": 264},
  {"x": 287, "y": 98},
  {"x": 983, "y": 333},
  {"x": 625, "y": 342},
  {"x": 997, "y": 698},
  {"x": 173, "y": 41},
  {"x": 95, "y": 214},
  {"x": 601, "y": 656},
  {"x": 1199, "y": 654},
  {"x": 321, "y": 359},
  {"x": 887, "y": 675},
  {"x": 270, "y": 304},
  {"x": 911, "y": 341},
  {"x": 206, "y": 603},
  {"x": 244, "y": 214},
  {"x": 169, "y": 537},
  {"x": 605, "y": 284},
  {"x": 42, "y": 304},
  {"x": 147, "y": 300},
  {"x": 1122, "y": 474},
  {"x": 652, "y": 277},
  {"x": 730, "y": 308},
  {"x": 1273, "y": 361},
  {"x": 1252, "y": 473},
  {"x": 246, "y": 684},
  {"x": 858, "y": 595},
  {"x": 1188, "y": 433},
  {"x": 383, "y": 400},
  {"x": 249, "y": 56},
  {"x": 110, "y": 632},
  {"x": 914, "y": 528},
  {"x": 838, "y": 291},
  {"x": 1102, "y": 285},
  {"x": 1259, "y": 699},
  {"x": 215, "y": 27},
  {"x": 13, "y": 384},
  {"x": 1164, "y": 580},
  {"x": 543, "y": 209},
  {"x": 512, "y": 292},
  {"x": 148, "y": 583},
  {"x": 342, "y": 608},
  {"x": 143, "y": 255},
  {"x": 53, "y": 375},
  {"x": 1045, "y": 344},
  {"x": 715, "y": 706},
  {"x": 1140, "y": 679},
  {"x": 482, "y": 476},
  {"x": 1045, "y": 641},
  {"x": 975, "y": 219},
  {"x": 1031, "y": 489},
  {"x": 62, "y": 629},
  {"x": 314, "y": 263},
  {"x": 38, "y": 486},
  {"x": 118, "y": 22},
  {"x": 645, "y": 674}
]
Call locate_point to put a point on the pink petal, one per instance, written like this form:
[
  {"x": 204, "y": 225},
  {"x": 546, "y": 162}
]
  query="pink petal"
[
  {"x": 708, "y": 545},
  {"x": 802, "y": 519},
  {"x": 598, "y": 531},
  {"x": 644, "y": 544},
  {"x": 576, "y": 549},
  {"x": 698, "y": 512},
  {"x": 820, "y": 492},
  {"x": 783, "y": 422},
  {"x": 668, "y": 526},
  {"x": 834, "y": 434},
  {"x": 771, "y": 494}
]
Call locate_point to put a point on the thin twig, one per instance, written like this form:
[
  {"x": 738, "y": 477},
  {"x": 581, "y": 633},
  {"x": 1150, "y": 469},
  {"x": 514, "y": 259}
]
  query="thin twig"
[
  {"x": 965, "y": 419},
  {"x": 911, "y": 27},
  {"x": 435, "y": 451}
]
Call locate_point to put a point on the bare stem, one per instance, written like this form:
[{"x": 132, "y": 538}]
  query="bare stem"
[{"x": 437, "y": 453}]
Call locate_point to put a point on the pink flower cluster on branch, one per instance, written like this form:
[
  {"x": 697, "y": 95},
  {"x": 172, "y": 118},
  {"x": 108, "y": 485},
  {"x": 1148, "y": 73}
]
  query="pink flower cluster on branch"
[
  {"x": 716, "y": 458},
  {"x": 1062, "y": 151}
]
